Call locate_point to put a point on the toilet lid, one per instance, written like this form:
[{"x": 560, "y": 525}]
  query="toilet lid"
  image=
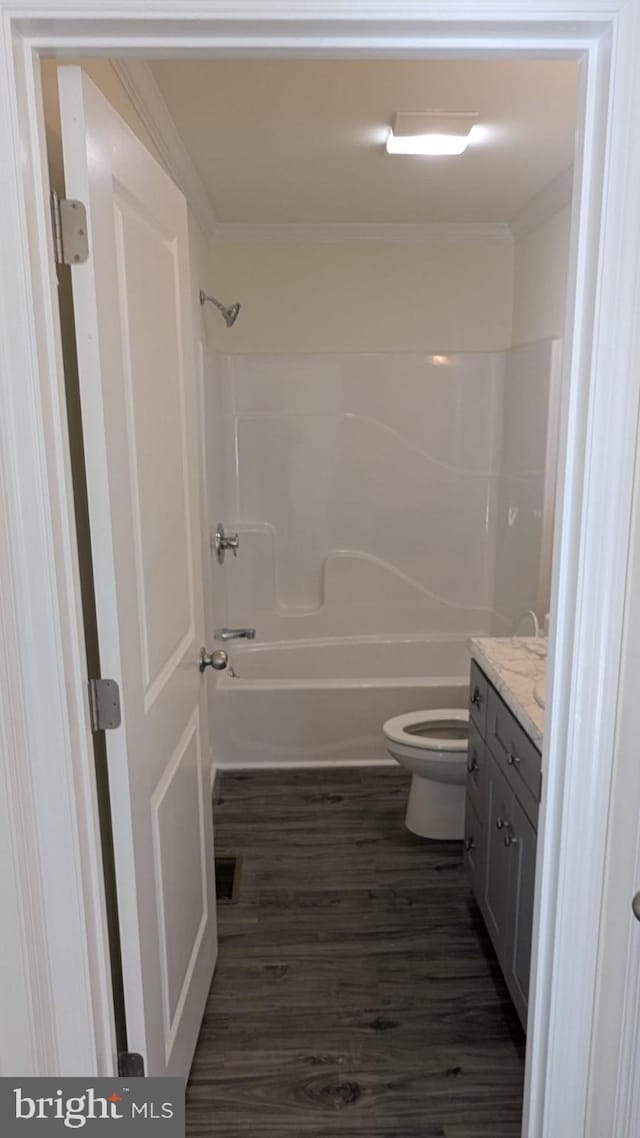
[{"x": 446, "y": 729}]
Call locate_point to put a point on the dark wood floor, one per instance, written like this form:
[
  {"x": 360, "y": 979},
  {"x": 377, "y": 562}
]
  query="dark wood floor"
[{"x": 356, "y": 992}]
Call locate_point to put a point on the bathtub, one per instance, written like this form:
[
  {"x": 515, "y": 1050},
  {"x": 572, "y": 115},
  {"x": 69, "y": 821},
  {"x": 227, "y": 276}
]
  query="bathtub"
[{"x": 323, "y": 702}]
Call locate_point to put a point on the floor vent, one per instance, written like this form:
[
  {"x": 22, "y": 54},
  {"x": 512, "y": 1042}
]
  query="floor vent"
[{"x": 227, "y": 879}]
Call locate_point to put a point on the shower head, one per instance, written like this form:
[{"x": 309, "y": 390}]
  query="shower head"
[{"x": 229, "y": 311}]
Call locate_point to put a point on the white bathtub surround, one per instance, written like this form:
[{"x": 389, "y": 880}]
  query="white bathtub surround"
[
  {"x": 216, "y": 495},
  {"x": 388, "y": 507},
  {"x": 515, "y": 666},
  {"x": 359, "y": 595},
  {"x": 363, "y": 488},
  {"x": 324, "y": 703},
  {"x": 355, "y": 660},
  {"x": 389, "y": 493},
  {"x": 214, "y": 506},
  {"x": 526, "y": 483}
]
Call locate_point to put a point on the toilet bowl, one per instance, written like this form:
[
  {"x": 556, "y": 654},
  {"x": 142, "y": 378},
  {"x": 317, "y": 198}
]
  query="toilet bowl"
[{"x": 432, "y": 745}]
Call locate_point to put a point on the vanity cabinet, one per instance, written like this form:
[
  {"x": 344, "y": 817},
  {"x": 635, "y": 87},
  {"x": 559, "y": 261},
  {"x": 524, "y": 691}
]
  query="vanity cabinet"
[{"x": 503, "y": 766}]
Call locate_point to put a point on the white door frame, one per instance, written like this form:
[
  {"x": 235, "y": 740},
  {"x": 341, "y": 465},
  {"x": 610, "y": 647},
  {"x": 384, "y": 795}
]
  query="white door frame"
[{"x": 53, "y": 879}]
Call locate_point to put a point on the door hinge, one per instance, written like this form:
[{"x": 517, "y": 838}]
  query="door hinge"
[
  {"x": 69, "y": 222},
  {"x": 130, "y": 1064},
  {"x": 104, "y": 705}
]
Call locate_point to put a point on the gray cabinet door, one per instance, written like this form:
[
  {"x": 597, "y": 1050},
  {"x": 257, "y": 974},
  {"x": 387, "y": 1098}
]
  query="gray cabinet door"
[
  {"x": 478, "y": 692},
  {"x": 496, "y": 906},
  {"x": 522, "y": 852},
  {"x": 500, "y": 839},
  {"x": 476, "y": 770},
  {"x": 475, "y": 847}
]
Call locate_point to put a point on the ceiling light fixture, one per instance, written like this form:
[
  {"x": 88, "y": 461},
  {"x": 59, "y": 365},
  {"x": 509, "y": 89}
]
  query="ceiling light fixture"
[{"x": 430, "y": 134}]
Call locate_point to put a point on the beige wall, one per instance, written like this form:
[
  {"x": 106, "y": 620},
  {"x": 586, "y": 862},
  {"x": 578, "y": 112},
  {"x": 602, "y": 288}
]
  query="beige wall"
[
  {"x": 385, "y": 296},
  {"x": 540, "y": 280},
  {"x": 105, "y": 78},
  {"x": 363, "y": 296}
]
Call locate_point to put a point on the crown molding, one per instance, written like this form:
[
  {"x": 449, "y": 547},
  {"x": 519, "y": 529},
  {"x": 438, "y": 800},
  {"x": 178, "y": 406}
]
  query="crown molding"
[
  {"x": 331, "y": 233},
  {"x": 147, "y": 98},
  {"x": 554, "y": 197}
]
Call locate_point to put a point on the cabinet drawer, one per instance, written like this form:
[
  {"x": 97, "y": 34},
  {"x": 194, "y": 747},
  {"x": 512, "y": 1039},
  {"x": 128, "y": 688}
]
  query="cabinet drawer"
[
  {"x": 476, "y": 769},
  {"x": 478, "y": 687},
  {"x": 515, "y": 753}
]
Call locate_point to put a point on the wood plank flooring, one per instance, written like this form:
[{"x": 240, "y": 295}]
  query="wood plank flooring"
[{"x": 356, "y": 993}]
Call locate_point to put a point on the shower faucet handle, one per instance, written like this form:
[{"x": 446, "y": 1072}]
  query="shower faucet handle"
[{"x": 221, "y": 542}]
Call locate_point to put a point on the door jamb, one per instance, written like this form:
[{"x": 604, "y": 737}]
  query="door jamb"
[{"x": 599, "y": 419}]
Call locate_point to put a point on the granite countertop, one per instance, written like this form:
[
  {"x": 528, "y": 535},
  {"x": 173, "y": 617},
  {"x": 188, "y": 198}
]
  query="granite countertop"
[{"x": 514, "y": 664}]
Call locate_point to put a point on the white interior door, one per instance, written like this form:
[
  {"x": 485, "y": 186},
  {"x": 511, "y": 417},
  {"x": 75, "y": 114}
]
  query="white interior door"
[{"x": 137, "y": 382}]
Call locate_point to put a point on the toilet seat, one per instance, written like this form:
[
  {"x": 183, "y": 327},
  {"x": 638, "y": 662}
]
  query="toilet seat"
[{"x": 404, "y": 730}]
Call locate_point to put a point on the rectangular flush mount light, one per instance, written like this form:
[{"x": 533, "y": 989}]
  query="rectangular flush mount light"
[{"x": 436, "y": 134}]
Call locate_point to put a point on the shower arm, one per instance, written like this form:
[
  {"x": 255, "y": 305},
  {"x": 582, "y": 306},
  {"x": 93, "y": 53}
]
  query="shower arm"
[
  {"x": 229, "y": 311},
  {"x": 212, "y": 300}
]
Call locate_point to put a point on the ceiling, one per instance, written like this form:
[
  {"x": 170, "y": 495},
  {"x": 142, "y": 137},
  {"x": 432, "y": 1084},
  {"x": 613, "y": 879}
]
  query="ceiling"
[{"x": 284, "y": 141}]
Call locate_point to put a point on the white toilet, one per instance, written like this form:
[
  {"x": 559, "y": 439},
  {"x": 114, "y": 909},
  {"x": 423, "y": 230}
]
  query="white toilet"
[{"x": 433, "y": 746}]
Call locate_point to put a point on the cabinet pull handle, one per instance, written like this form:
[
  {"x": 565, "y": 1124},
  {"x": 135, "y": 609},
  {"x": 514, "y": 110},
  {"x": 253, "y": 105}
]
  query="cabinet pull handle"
[
  {"x": 476, "y": 698},
  {"x": 510, "y": 840},
  {"x": 500, "y": 823},
  {"x": 513, "y": 760},
  {"x": 472, "y": 764},
  {"x": 469, "y": 844}
]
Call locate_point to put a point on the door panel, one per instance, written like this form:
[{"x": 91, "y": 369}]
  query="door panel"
[
  {"x": 180, "y": 879},
  {"x": 152, "y": 376},
  {"x": 137, "y": 384}
]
